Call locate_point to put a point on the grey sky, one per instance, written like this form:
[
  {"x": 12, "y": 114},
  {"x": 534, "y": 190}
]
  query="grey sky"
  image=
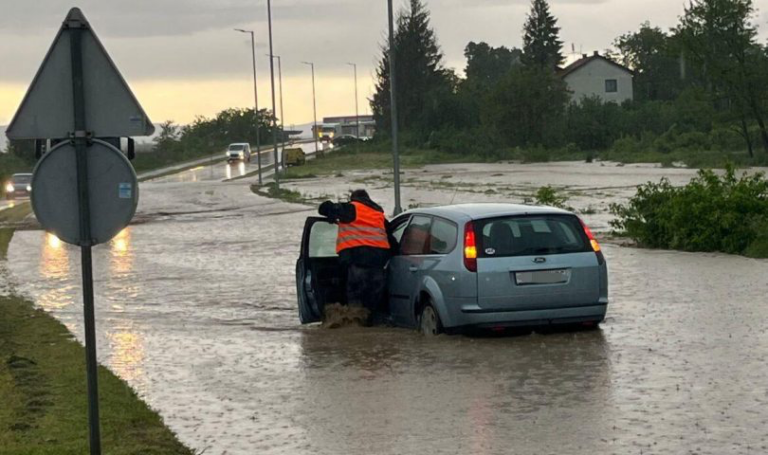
[{"x": 172, "y": 40}]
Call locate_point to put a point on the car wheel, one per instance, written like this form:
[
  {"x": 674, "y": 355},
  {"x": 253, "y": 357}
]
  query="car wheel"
[{"x": 429, "y": 322}]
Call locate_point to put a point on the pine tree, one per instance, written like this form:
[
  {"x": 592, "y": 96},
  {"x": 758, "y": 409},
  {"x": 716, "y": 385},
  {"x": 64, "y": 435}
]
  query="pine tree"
[
  {"x": 541, "y": 41},
  {"x": 419, "y": 66}
]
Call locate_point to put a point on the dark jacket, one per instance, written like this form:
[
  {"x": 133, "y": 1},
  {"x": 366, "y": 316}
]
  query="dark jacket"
[{"x": 345, "y": 212}]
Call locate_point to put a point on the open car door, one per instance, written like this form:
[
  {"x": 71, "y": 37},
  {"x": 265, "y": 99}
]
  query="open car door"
[{"x": 320, "y": 278}]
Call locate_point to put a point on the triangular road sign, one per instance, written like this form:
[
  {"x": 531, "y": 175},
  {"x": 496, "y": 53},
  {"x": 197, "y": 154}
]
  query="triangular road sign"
[{"x": 47, "y": 111}]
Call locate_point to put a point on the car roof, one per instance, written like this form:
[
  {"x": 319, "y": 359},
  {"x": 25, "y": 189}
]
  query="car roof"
[
  {"x": 239, "y": 143},
  {"x": 488, "y": 210},
  {"x": 22, "y": 174}
]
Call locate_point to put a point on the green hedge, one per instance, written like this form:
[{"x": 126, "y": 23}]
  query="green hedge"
[{"x": 727, "y": 213}]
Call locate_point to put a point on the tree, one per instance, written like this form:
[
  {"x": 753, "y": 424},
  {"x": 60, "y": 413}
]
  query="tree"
[
  {"x": 168, "y": 137},
  {"x": 487, "y": 65},
  {"x": 420, "y": 71},
  {"x": 24, "y": 149},
  {"x": 527, "y": 106},
  {"x": 541, "y": 38},
  {"x": 720, "y": 38},
  {"x": 652, "y": 54},
  {"x": 230, "y": 125}
]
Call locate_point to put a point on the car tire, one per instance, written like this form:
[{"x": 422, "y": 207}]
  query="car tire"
[{"x": 429, "y": 321}]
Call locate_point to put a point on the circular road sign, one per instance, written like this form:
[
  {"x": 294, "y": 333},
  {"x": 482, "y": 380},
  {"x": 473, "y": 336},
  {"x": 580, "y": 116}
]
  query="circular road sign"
[{"x": 112, "y": 187}]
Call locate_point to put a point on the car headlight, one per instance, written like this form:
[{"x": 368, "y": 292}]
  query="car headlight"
[
  {"x": 9, "y": 188},
  {"x": 226, "y": 154},
  {"x": 241, "y": 154},
  {"x": 29, "y": 188}
]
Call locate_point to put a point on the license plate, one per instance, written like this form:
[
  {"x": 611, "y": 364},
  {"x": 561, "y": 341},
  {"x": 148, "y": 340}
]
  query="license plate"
[{"x": 543, "y": 277}]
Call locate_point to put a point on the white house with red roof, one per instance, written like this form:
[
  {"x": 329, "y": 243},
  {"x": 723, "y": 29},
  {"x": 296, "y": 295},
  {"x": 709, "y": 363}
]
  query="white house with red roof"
[{"x": 598, "y": 76}]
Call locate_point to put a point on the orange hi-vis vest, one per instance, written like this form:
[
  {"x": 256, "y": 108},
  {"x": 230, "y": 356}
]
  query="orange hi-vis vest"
[{"x": 368, "y": 229}]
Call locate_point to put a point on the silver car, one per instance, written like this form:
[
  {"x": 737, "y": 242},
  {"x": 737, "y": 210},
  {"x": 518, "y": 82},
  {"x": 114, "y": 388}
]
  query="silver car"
[
  {"x": 20, "y": 186},
  {"x": 239, "y": 152},
  {"x": 475, "y": 265}
]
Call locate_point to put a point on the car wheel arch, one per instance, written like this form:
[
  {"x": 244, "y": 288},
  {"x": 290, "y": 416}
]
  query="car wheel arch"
[{"x": 430, "y": 293}]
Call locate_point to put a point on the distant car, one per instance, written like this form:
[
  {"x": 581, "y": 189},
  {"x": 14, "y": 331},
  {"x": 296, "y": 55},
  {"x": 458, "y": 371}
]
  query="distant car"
[
  {"x": 19, "y": 186},
  {"x": 239, "y": 152},
  {"x": 346, "y": 139},
  {"x": 474, "y": 265}
]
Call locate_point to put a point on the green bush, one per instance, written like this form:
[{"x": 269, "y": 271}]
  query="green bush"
[
  {"x": 727, "y": 213},
  {"x": 694, "y": 140},
  {"x": 726, "y": 139},
  {"x": 546, "y": 195}
]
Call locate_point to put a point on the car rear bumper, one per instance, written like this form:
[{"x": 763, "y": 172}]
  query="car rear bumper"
[{"x": 464, "y": 316}]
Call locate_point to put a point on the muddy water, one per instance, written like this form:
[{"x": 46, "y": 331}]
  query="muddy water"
[{"x": 196, "y": 310}]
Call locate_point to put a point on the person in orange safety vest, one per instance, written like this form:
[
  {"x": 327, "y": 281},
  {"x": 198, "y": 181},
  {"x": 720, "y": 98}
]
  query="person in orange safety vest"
[{"x": 363, "y": 246}]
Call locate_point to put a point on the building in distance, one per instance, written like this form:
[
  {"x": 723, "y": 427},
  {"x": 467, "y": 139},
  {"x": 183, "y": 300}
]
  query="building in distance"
[{"x": 598, "y": 76}]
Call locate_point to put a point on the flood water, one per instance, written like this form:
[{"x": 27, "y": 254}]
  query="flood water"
[{"x": 196, "y": 309}]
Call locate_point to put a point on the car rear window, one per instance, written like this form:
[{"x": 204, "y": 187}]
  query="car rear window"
[{"x": 531, "y": 235}]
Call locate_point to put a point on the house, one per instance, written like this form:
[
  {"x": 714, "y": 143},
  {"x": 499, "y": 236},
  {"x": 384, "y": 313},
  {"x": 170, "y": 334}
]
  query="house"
[{"x": 598, "y": 76}]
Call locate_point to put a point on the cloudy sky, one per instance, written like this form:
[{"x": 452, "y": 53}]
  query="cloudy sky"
[{"x": 182, "y": 57}]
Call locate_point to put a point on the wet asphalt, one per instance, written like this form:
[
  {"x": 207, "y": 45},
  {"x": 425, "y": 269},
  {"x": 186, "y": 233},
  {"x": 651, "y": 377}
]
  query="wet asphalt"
[{"x": 196, "y": 309}]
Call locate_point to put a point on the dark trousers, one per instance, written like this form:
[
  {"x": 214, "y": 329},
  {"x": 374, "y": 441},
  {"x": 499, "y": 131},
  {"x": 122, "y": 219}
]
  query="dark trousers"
[{"x": 365, "y": 287}]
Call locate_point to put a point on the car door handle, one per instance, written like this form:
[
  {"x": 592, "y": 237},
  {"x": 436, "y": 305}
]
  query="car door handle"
[{"x": 413, "y": 269}]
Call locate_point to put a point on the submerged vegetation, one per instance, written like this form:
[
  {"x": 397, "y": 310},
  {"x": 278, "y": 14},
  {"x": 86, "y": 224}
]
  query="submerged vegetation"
[{"x": 727, "y": 213}]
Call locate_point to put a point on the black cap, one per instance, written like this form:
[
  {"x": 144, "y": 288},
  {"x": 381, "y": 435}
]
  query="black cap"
[{"x": 359, "y": 194}]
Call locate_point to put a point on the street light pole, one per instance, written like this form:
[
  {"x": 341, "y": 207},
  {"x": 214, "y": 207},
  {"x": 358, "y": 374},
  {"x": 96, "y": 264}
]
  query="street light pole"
[
  {"x": 357, "y": 111},
  {"x": 255, "y": 102},
  {"x": 393, "y": 106},
  {"x": 274, "y": 101},
  {"x": 314, "y": 107},
  {"x": 280, "y": 83}
]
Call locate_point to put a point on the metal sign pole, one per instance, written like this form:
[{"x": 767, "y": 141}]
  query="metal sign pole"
[{"x": 80, "y": 138}]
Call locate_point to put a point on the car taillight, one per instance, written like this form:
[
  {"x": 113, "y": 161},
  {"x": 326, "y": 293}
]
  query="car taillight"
[
  {"x": 470, "y": 248},
  {"x": 593, "y": 242}
]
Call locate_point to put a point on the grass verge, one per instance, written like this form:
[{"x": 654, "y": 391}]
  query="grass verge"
[
  {"x": 365, "y": 157},
  {"x": 43, "y": 391},
  {"x": 270, "y": 190},
  {"x": 16, "y": 213}
]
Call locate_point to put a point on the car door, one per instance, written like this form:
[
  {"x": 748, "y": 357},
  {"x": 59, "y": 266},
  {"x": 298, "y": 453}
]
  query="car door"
[
  {"x": 319, "y": 276},
  {"x": 403, "y": 277}
]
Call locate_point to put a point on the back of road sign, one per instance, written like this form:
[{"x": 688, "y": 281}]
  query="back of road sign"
[
  {"x": 112, "y": 184},
  {"x": 111, "y": 109}
]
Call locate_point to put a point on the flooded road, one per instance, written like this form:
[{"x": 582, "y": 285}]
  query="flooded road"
[
  {"x": 223, "y": 170},
  {"x": 196, "y": 309}
]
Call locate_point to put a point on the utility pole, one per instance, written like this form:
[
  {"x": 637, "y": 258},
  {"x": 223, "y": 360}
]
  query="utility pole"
[
  {"x": 280, "y": 83},
  {"x": 274, "y": 101},
  {"x": 314, "y": 106},
  {"x": 357, "y": 111},
  {"x": 255, "y": 102},
  {"x": 393, "y": 107}
]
